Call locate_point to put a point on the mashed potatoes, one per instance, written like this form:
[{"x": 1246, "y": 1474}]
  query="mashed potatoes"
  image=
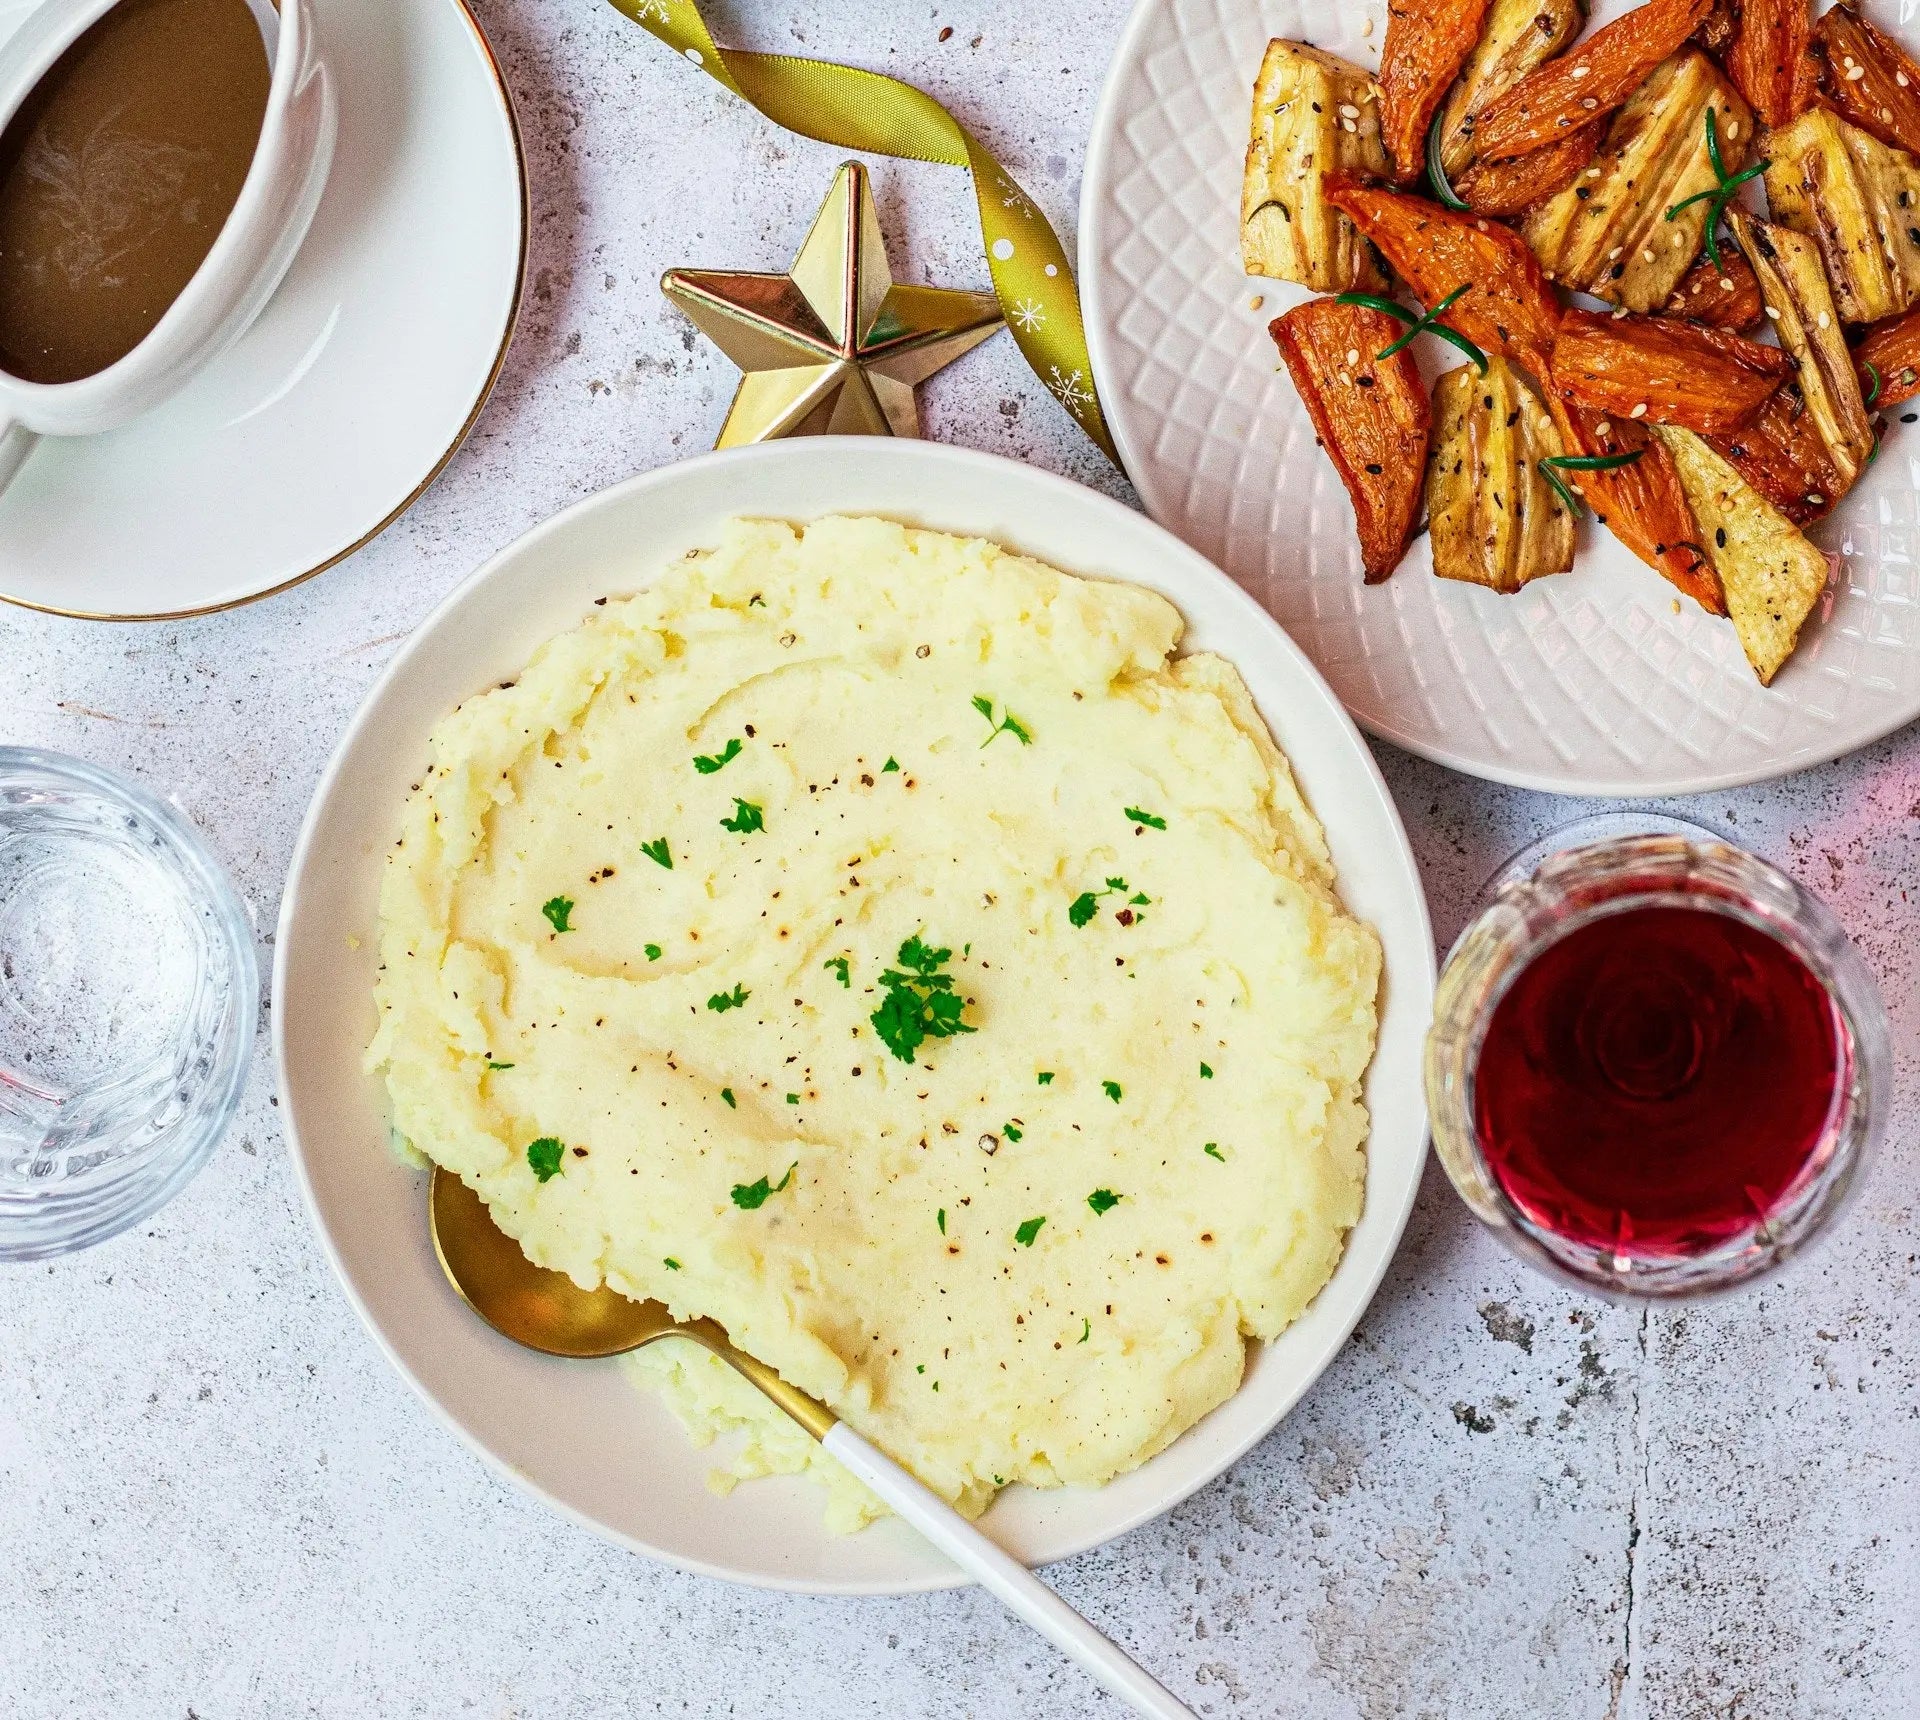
[{"x": 636, "y": 943}]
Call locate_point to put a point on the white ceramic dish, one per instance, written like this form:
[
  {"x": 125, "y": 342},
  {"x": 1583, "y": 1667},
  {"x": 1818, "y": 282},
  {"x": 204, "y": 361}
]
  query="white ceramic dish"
[
  {"x": 578, "y": 1435},
  {"x": 1586, "y": 683},
  {"x": 337, "y": 407}
]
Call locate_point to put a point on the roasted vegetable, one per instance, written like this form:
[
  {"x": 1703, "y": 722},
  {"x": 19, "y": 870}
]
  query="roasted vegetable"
[
  {"x": 1312, "y": 115},
  {"x": 1772, "y": 576},
  {"x": 1495, "y": 518},
  {"x": 1718, "y": 28},
  {"x": 1427, "y": 43},
  {"x": 1859, "y": 200},
  {"x": 1893, "y": 351},
  {"x": 1768, "y": 59},
  {"x": 1641, "y": 502},
  {"x": 1724, "y": 297},
  {"x": 1508, "y": 307},
  {"x": 1665, "y": 371},
  {"x": 1782, "y": 456},
  {"x": 1588, "y": 84},
  {"x": 1868, "y": 77},
  {"x": 1370, "y": 415},
  {"x": 1518, "y": 37},
  {"x": 1609, "y": 233},
  {"x": 1800, "y": 304},
  {"x": 1513, "y": 187}
]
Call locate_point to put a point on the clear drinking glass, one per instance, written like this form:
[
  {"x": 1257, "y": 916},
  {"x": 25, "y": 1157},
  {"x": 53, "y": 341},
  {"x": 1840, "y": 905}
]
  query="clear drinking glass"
[
  {"x": 128, "y": 997},
  {"x": 1607, "y": 866}
]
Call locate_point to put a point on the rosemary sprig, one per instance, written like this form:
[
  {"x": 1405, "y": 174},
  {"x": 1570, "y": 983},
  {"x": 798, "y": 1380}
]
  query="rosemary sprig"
[
  {"x": 1436, "y": 167},
  {"x": 1723, "y": 193},
  {"x": 1427, "y": 324},
  {"x": 1873, "y": 394},
  {"x": 1581, "y": 463}
]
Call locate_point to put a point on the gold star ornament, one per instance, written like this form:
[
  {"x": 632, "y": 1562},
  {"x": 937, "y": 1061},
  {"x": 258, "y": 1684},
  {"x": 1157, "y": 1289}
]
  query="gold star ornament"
[{"x": 834, "y": 346}]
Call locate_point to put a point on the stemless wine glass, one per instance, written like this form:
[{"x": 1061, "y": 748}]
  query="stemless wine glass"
[
  {"x": 1579, "y": 876},
  {"x": 128, "y": 996}
]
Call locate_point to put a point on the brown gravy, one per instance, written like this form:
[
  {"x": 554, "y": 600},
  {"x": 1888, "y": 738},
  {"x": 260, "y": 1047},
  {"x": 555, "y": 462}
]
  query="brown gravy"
[{"x": 116, "y": 176}]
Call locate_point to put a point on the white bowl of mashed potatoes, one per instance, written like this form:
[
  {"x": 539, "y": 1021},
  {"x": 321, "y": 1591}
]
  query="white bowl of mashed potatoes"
[{"x": 852, "y": 889}]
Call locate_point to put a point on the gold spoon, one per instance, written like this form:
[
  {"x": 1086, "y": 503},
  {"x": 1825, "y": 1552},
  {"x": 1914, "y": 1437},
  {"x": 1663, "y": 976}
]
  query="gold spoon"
[{"x": 547, "y": 1311}]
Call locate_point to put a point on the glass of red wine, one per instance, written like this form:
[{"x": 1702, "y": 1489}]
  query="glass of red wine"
[{"x": 1657, "y": 1065}]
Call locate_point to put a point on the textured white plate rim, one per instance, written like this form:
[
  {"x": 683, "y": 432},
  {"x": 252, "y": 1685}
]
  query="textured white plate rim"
[
  {"x": 1411, "y": 974},
  {"x": 1143, "y": 474}
]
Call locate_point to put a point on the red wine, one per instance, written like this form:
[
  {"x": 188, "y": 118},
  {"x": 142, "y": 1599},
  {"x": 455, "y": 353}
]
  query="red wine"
[{"x": 1654, "y": 1082}]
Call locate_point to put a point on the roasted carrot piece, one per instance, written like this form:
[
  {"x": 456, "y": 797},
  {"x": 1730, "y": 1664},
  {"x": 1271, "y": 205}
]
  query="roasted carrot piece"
[
  {"x": 1868, "y": 77},
  {"x": 1768, "y": 59},
  {"x": 1707, "y": 380},
  {"x": 1726, "y": 297},
  {"x": 1589, "y": 83},
  {"x": 1509, "y": 306},
  {"x": 1371, "y": 415},
  {"x": 1893, "y": 350},
  {"x": 1782, "y": 455},
  {"x": 1513, "y": 186},
  {"x": 1427, "y": 43},
  {"x": 1717, "y": 30},
  {"x": 1642, "y": 504}
]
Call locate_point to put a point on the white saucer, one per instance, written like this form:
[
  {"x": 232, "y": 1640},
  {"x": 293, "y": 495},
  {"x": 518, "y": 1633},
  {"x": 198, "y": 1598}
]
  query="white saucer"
[{"x": 339, "y": 406}]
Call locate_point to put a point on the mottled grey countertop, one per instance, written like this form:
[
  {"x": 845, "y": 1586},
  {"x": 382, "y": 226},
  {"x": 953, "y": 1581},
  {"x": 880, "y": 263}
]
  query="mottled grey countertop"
[{"x": 1502, "y": 1500}]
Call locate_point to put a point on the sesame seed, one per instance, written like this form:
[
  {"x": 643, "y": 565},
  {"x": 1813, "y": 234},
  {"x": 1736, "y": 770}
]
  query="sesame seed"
[
  {"x": 1353, "y": 357},
  {"x": 1773, "y": 313},
  {"x": 1640, "y": 411},
  {"x": 1826, "y": 320},
  {"x": 1349, "y": 111},
  {"x": 1615, "y": 252},
  {"x": 1588, "y": 102},
  {"x": 1855, "y": 74},
  {"x": 1580, "y": 71}
]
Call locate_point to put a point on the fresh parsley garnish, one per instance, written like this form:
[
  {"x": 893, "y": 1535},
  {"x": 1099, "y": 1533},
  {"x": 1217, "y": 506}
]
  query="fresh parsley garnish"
[
  {"x": 1103, "y": 1200},
  {"x": 1086, "y": 1329},
  {"x": 750, "y": 1196},
  {"x": 1112, "y": 1090},
  {"x": 839, "y": 966},
  {"x": 671, "y": 1264},
  {"x": 1206, "y": 1071},
  {"x": 1046, "y": 1077},
  {"x": 556, "y": 912},
  {"x": 793, "y": 1098},
  {"x": 656, "y": 851},
  {"x": 707, "y": 763},
  {"x": 1008, "y": 724},
  {"x": 1136, "y": 816},
  {"x": 727, "y": 1094},
  {"x": 544, "y": 1156},
  {"x": 722, "y": 1001},
  {"x": 940, "y": 1218},
  {"x": 1212, "y": 1150},
  {"x": 1084, "y": 906},
  {"x": 1028, "y": 1231},
  {"x": 1012, "y": 1131},
  {"x": 746, "y": 817},
  {"x": 920, "y": 1002},
  {"x": 891, "y": 764},
  {"x": 491, "y": 1064},
  {"x": 653, "y": 952}
]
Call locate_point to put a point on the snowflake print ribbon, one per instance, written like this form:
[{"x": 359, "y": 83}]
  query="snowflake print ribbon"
[{"x": 863, "y": 110}]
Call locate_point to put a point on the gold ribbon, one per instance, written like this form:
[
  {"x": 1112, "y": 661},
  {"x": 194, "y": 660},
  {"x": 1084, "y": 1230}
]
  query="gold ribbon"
[{"x": 861, "y": 110}]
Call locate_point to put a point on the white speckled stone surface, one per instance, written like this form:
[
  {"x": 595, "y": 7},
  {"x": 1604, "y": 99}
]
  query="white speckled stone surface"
[{"x": 1502, "y": 1501}]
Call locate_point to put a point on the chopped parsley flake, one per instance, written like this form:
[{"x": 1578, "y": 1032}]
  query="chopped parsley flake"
[
  {"x": 491, "y": 1064},
  {"x": 556, "y": 912},
  {"x": 940, "y": 1218},
  {"x": 1112, "y": 1090},
  {"x": 1028, "y": 1231},
  {"x": 793, "y": 1098},
  {"x": 1206, "y": 1071},
  {"x": 707, "y": 763},
  {"x": 1136, "y": 816},
  {"x": 722, "y": 1001},
  {"x": 727, "y": 1094},
  {"x": 671, "y": 1264},
  {"x": 653, "y": 952},
  {"x": 544, "y": 1156},
  {"x": 1086, "y": 1329},
  {"x": 919, "y": 1367},
  {"x": 1212, "y": 1150},
  {"x": 1012, "y": 1131},
  {"x": 750, "y": 1196},
  {"x": 1103, "y": 1200},
  {"x": 656, "y": 851},
  {"x": 1087, "y": 903},
  {"x": 746, "y": 818},
  {"x": 891, "y": 764},
  {"x": 920, "y": 1002},
  {"x": 1046, "y": 1077},
  {"x": 1009, "y": 724},
  {"x": 839, "y": 966}
]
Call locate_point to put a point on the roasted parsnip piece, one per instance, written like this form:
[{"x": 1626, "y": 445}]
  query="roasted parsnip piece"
[
  {"x": 1772, "y": 576},
  {"x": 1508, "y": 307},
  {"x": 1723, "y": 297},
  {"x": 1495, "y": 519},
  {"x": 1427, "y": 43},
  {"x": 1768, "y": 59},
  {"x": 1313, "y": 115},
  {"x": 1608, "y": 234},
  {"x": 1370, "y": 414},
  {"x": 1893, "y": 349},
  {"x": 1859, "y": 200},
  {"x": 1588, "y": 84},
  {"x": 1641, "y": 503},
  {"x": 1782, "y": 456},
  {"x": 1800, "y": 304},
  {"x": 1666, "y": 371},
  {"x": 1518, "y": 37},
  {"x": 1515, "y": 186},
  {"x": 1868, "y": 77}
]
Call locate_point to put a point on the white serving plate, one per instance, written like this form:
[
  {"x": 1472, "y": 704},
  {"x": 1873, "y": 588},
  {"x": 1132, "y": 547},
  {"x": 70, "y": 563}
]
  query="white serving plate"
[
  {"x": 577, "y": 1434},
  {"x": 1585, "y": 683}
]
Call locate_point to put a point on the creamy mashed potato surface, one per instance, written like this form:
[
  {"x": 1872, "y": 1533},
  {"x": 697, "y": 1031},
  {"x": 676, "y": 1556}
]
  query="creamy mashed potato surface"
[{"x": 638, "y": 926}]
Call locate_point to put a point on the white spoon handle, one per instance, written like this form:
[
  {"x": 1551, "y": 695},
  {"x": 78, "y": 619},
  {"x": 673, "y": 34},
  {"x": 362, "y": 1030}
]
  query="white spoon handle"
[{"x": 1004, "y": 1576}]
